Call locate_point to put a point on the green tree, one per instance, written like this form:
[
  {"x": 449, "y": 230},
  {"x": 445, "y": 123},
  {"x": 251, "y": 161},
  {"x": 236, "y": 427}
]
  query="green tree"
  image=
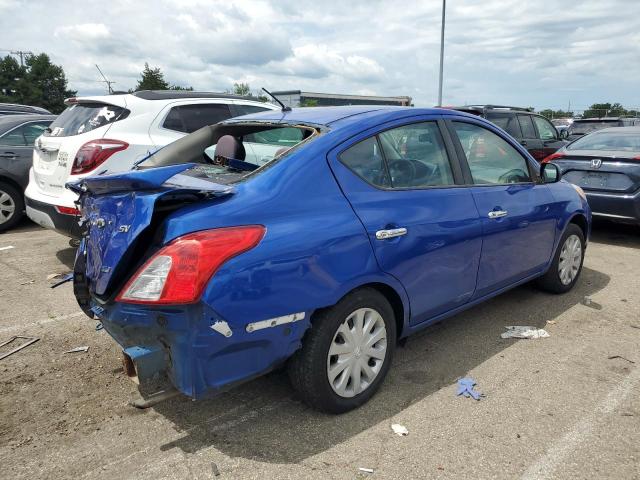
[
  {"x": 180, "y": 87},
  {"x": 242, "y": 89},
  {"x": 549, "y": 113},
  {"x": 309, "y": 103},
  {"x": 152, "y": 79},
  {"x": 600, "y": 110},
  {"x": 39, "y": 83}
]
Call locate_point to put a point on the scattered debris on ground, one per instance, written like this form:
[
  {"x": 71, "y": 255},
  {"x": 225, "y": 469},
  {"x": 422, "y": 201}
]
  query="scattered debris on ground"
[
  {"x": 551, "y": 322},
  {"x": 7, "y": 248},
  {"x": 465, "y": 388},
  {"x": 84, "y": 348},
  {"x": 587, "y": 302},
  {"x": 28, "y": 282},
  {"x": 28, "y": 341},
  {"x": 400, "y": 430},
  {"x": 520, "y": 331},
  {"x": 620, "y": 357},
  {"x": 214, "y": 469},
  {"x": 366, "y": 470}
]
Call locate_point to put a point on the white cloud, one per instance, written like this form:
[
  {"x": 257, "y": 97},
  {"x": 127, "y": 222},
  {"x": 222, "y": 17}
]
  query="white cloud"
[
  {"x": 84, "y": 32},
  {"x": 528, "y": 52}
]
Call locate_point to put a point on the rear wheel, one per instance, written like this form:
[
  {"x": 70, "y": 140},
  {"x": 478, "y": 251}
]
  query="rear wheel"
[
  {"x": 567, "y": 262},
  {"x": 11, "y": 206},
  {"x": 346, "y": 353}
]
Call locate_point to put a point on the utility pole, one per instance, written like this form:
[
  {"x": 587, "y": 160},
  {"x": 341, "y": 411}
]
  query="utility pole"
[
  {"x": 444, "y": 7},
  {"x": 21, "y": 54},
  {"x": 108, "y": 82}
]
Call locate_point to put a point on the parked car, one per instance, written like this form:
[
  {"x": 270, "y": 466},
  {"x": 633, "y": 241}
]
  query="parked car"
[
  {"x": 606, "y": 164},
  {"x": 537, "y": 134},
  {"x": 106, "y": 134},
  {"x": 585, "y": 126},
  {"x": 16, "y": 109},
  {"x": 17, "y": 135},
  {"x": 212, "y": 274}
]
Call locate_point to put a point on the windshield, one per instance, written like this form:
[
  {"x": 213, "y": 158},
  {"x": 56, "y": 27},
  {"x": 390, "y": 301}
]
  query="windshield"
[
  {"x": 616, "y": 141},
  {"x": 582, "y": 128},
  {"x": 84, "y": 117}
]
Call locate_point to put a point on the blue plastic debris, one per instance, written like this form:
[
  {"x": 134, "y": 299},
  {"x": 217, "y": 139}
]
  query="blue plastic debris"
[{"x": 465, "y": 387}]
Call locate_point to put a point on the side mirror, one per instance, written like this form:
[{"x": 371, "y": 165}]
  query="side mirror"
[
  {"x": 550, "y": 173},
  {"x": 564, "y": 134}
]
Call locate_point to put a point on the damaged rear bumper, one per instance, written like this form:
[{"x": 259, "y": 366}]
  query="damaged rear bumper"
[{"x": 199, "y": 352}]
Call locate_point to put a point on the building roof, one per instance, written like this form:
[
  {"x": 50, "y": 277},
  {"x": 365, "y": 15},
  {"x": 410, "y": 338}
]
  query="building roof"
[{"x": 342, "y": 96}]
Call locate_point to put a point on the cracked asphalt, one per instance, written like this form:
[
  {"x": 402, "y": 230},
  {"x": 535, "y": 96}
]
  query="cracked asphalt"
[{"x": 567, "y": 406}]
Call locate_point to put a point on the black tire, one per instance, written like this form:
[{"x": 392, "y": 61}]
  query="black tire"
[
  {"x": 551, "y": 281},
  {"x": 308, "y": 367},
  {"x": 17, "y": 199}
]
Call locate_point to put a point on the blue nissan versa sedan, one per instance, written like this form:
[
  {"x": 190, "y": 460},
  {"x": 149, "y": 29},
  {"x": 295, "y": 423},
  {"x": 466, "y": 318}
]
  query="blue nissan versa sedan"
[{"x": 361, "y": 225}]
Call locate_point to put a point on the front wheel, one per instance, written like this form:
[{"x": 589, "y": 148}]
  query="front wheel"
[
  {"x": 567, "y": 262},
  {"x": 346, "y": 353}
]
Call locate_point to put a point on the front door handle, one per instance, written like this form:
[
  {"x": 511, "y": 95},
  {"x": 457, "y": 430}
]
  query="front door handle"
[
  {"x": 9, "y": 155},
  {"x": 523, "y": 143},
  {"x": 390, "y": 233},
  {"x": 497, "y": 213}
]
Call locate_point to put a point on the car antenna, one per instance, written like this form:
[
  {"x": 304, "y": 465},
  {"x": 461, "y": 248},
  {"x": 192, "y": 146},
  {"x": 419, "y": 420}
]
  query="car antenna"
[{"x": 284, "y": 107}]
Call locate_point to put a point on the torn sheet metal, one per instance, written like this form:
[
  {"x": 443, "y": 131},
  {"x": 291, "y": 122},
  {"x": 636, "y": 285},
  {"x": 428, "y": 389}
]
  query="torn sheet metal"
[
  {"x": 222, "y": 327},
  {"x": 519, "y": 331},
  {"x": 29, "y": 341},
  {"x": 273, "y": 322}
]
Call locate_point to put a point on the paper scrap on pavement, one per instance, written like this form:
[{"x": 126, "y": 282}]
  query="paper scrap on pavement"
[
  {"x": 519, "y": 331},
  {"x": 399, "y": 429},
  {"x": 84, "y": 348},
  {"x": 7, "y": 248}
]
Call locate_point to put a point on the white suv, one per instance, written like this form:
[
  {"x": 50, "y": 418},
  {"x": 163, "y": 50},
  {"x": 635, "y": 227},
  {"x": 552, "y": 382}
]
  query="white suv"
[{"x": 111, "y": 133}]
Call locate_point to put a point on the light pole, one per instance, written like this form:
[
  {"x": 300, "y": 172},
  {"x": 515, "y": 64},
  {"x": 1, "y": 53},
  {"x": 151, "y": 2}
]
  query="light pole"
[{"x": 444, "y": 7}]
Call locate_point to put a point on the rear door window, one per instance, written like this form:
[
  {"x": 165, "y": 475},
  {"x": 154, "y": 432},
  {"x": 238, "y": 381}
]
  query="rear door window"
[
  {"x": 526, "y": 125},
  {"x": 189, "y": 118},
  {"x": 247, "y": 109},
  {"x": 416, "y": 156},
  {"x": 507, "y": 122},
  {"x": 546, "y": 130},
  {"x": 365, "y": 160},
  {"x": 25, "y": 135},
  {"x": 84, "y": 117}
]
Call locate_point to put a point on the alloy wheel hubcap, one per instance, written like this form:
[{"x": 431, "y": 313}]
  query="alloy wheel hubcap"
[
  {"x": 357, "y": 352},
  {"x": 570, "y": 259},
  {"x": 7, "y": 207}
]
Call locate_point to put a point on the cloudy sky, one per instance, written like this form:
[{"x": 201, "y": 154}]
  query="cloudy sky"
[{"x": 542, "y": 53}]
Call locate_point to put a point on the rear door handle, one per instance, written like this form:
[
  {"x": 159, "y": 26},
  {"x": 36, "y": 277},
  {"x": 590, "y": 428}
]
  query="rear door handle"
[
  {"x": 10, "y": 155},
  {"x": 497, "y": 213},
  {"x": 523, "y": 143},
  {"x": 390, "y": 233}
]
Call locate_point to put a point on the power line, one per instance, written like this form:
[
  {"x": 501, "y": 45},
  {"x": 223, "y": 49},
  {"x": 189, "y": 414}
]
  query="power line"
[{"x": 20, "y": 53}]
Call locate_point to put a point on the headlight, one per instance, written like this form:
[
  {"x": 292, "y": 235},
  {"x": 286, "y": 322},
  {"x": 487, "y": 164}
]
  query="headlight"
[{"x": 580, "y": 191}]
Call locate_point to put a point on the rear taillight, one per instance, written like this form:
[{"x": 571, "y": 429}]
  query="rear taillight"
[
  {"x": 67, "y": 210},
  {"x": 94, "y": 153},
  {"x": 179, "y": 272},
  {"x": 553, "y": 156}
]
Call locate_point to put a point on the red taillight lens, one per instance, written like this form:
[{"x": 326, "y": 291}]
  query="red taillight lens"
[
  {"x": 67, "y": 210},
  {"x": 553, "y": 156},
  {"x": 94, "y": 153},
  {"x": 179, "y": 272}
]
